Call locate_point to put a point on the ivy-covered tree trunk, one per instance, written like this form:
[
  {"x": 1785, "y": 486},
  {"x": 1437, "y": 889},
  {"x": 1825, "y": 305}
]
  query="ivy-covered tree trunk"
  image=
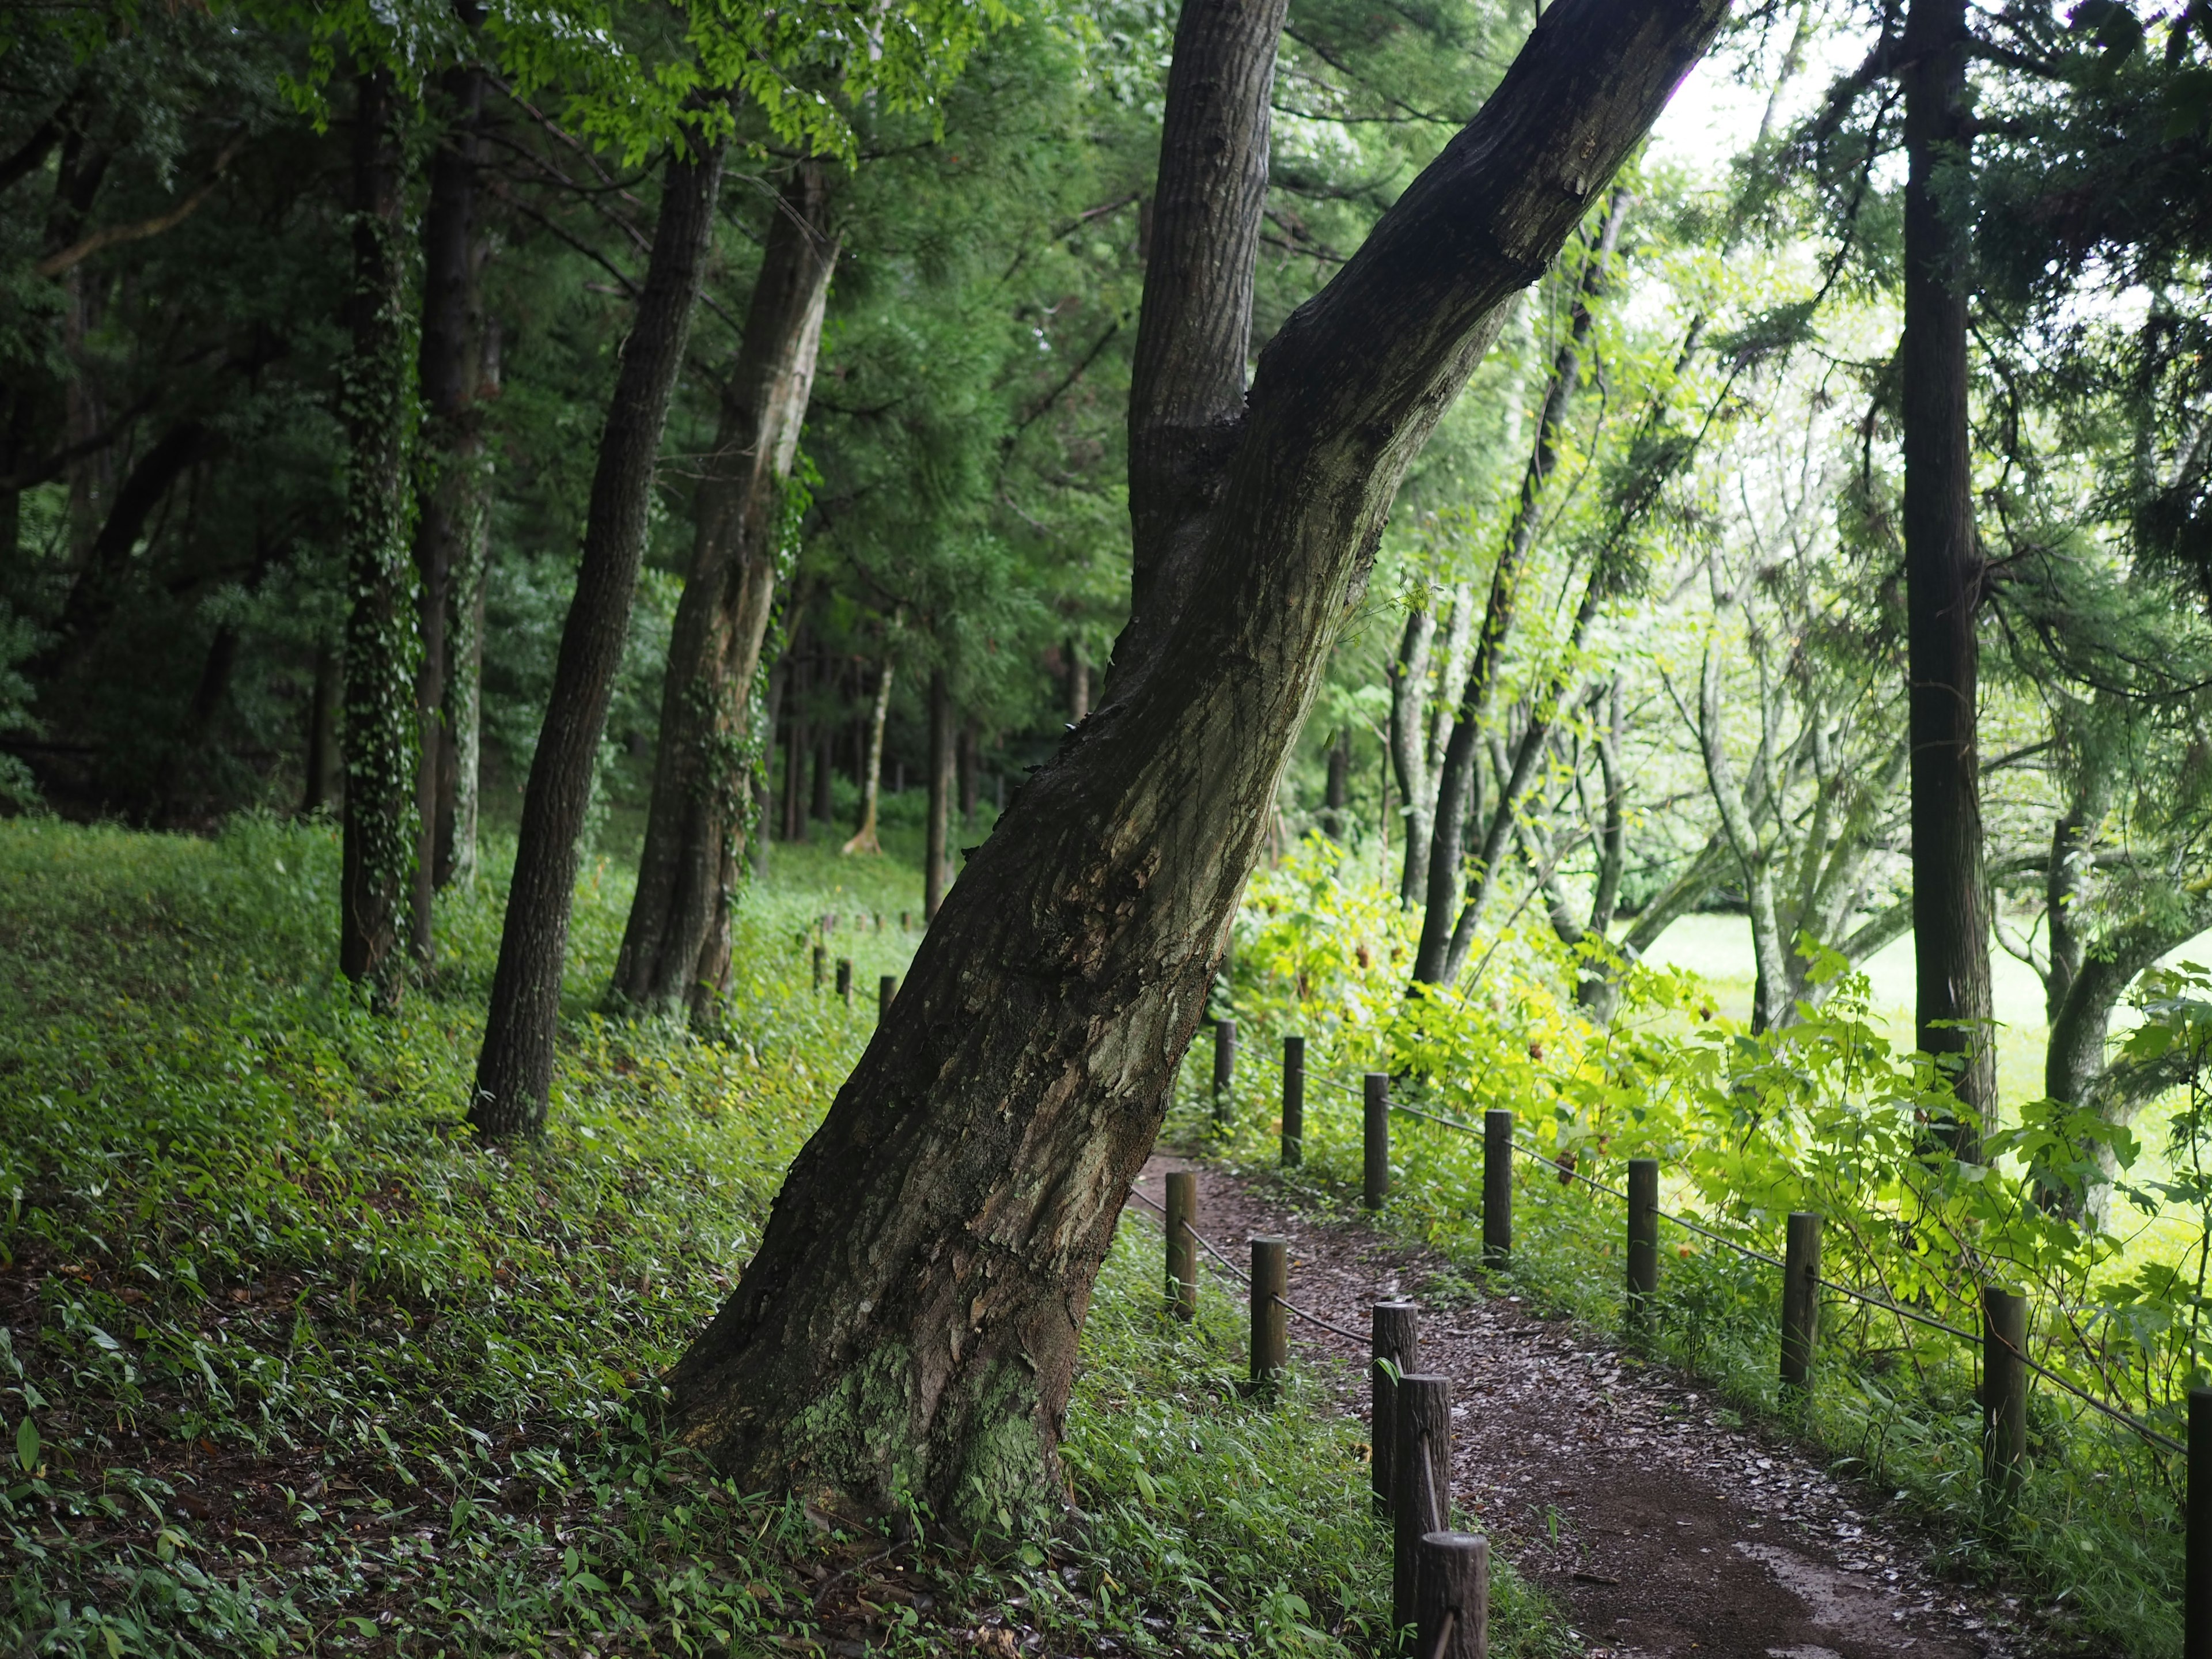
[
  {"x": 514, "y": 1071},
  {"x": 909, "y": 1322},
  {"x": 675, "y": 947},
  {"x": 381, "y": 643},
  {"x": 450, "y": 500},
  {"x": 1954, "y": 1015}
]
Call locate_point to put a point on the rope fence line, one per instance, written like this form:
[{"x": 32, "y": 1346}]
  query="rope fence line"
[{"x": 1242, "y": 1278}]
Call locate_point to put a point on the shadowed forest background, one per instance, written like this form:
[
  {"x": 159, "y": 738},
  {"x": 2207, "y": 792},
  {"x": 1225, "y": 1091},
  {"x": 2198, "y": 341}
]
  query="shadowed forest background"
[{"x": 527, "y": 540}]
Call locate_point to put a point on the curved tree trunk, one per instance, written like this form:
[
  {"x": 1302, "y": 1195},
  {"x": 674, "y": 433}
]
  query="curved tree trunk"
[
  {"x": 450, "y": 500},
  {"x": 865, "y": 838},
  {"x": 675, "y": 946},
  {"x": 1953, "y": 1016},
  {"x": 909, "y": 1322},
  {"x": 381, "y": 737},
  {"x": 514, "y": 1071}
]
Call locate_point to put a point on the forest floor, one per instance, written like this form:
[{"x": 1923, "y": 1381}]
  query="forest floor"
[{"x": 1660, "y": 1523}]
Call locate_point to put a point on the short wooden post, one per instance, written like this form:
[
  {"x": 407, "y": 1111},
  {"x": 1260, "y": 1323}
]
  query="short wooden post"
[
  {"x": 1451, "y": 1596},
  {"x": 1271, "y": 1283},
  {"x": 1224, "y": 1070},
  {"x": 1642, "y": 1237},
  {"x": 1183, "y": 1242},
  {"x": 1377, "y": 1168},
  {"x": 821, "y": 964},
  {"x": 1801, "y": 1298},
  {"x": 1394, "y": 1345},
  {"x": 2197, "y": 1568},
  {"x": 1420, "y": 1480},
  {"x": 1497, "y": 1189},
  {"x": 2004, "y": 1398},
  {"x": 845, "y": 979},
  {"x": 1294, "y": 1102},
  {"x": 886, "y": 989}
]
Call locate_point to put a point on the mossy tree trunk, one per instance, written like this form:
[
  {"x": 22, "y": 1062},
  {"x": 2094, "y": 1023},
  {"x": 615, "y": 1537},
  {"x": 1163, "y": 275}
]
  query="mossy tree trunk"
[
  {"x": 909, "y": 1322},
  {"x": 515, "y": 1070},
  {"x": 381, "y": 646},
  {"x": 675, "y": 947}
]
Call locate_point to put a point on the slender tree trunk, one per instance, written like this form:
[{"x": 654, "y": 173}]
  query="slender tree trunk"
[
  {"x": 514, "y": 1072},
  {"x": 675, "y": 945},
  {"x": 1336, "y": 791},
  {"x": 970, "y": 762},
  {"x": 865, "y": 838},
  {"x": 1078, "y": 683},
  {"x": 794, "y": 771},
  {"x": 381, "y": 647},
  {"x": 461, "y": 777},
  {"x": 937, "y": 864},
  {"x": 909, "y": 1322},
  {"x": 1437, "y": 960},
  {"x": 1953, "y": 1017},
  {"x": 1409, "y": 735},
  {"x": 449, "y": 498}
]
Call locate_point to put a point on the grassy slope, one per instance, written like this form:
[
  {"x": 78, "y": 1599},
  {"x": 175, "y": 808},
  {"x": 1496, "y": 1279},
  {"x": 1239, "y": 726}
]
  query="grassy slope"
[{"x": 290, "y": 1363}]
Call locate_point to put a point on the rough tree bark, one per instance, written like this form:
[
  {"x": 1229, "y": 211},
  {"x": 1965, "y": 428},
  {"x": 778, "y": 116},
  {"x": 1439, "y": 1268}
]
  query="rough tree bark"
[
  {"x": 1952, "y": 1015},
  {"x": 675, "y": 948},
  {"x": 515, "y": 1070},
  {"x": 449, "y": 500},
  {"x": 1443, "y": 946},
  {"x": 910, "y": 1322},
  {"x": 381, "y": 735}
]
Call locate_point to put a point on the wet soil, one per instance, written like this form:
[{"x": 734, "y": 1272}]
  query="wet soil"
[{"x": 1660, "y": 1523}]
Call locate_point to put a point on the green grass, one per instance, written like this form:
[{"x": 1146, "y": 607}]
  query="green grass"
[{"x": 292, "y": 1364}]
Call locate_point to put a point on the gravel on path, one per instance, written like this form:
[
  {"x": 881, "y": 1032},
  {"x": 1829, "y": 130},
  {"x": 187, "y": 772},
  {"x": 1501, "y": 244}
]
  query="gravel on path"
[{"x": 1621, "y": 1485}]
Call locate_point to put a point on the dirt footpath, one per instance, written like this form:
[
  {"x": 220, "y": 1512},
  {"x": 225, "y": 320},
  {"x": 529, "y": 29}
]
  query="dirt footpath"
[{"x": 1617, "y": 1483}]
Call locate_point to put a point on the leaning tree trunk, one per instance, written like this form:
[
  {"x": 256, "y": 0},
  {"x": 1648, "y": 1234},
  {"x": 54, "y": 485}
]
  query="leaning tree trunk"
[
  {"x": 1444, "y": 936},
  {"x": 865, "y": 838},
  {"x": 380, "y": 644},
  {"x": 514, "y": 1071},
  {"x": 675, "y": 946},
  {"x": 1953, "y": 1016},
  {"x": 450, "y": 498},
  {"x": 909, "y": 1322}
]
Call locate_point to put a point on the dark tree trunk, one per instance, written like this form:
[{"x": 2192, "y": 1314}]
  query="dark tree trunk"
[
  {"x": 794, "y": 771},
  {"x": 380, "y": 732},
  {"x": 970, "y": 761},
  {"x": 1336, "y": 789},
  {"x": 1447, "y": 917},
  {"x": 514, "y": 1071},
  {"x": 910, "y": 1322},
  {"x": 675, "y": 948},
  {"x": 1944, "y": 576},
  {"x": 450, "y": 499},
  {"x": 937, "y": 867}
]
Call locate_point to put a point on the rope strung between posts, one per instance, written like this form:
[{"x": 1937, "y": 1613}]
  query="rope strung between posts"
[
  {"x": 1244, "y": 1279},
  {"x": 1443, "y": 1633}
]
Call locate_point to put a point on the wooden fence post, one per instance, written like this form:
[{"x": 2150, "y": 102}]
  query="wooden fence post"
[
  {"x": 1420, "y": 1480},
  {"x": 2004, "y": 1398},
  {"x": 1294, "y": 1102},
  {"x": 1271, "y": 1283},
  {"x": 1497, "y": 1189},
  {"x": 1395, "y": 1342},
  {"x": 845, "y": 979},
  {"x": 1183, "y": 1242},
  {"x": 886, "y": 991},
  {"x": 1225, "y": 1070},
  {"x": 2197, "y": 1571},
  {"x": 1451, "y": 1597},
  {"x": 1800, "y": 1299},
  {"x": 1377, "y": 1168},
  {"x": 821, "y": 964},
  {"x": 1643, "y": 1238}
]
